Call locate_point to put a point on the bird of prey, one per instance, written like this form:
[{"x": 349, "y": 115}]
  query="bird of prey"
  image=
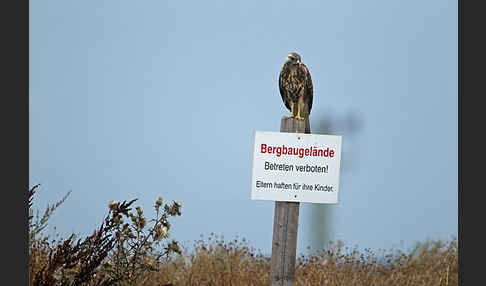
[{"x": 295, "y": 84}]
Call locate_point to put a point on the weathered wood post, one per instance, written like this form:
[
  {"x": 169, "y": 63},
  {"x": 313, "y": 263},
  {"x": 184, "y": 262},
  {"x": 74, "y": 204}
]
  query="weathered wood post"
[{"x": 285, "y": 226}]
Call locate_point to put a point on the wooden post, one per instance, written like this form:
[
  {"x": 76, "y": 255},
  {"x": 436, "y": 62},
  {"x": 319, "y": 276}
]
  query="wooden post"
[{"x": 285, "y": 226}]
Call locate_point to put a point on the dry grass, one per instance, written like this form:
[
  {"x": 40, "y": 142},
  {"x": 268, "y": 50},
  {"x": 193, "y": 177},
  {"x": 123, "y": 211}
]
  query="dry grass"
[
  {"x": 119, "y": 253},
  {"x": 215, "y": 262}
]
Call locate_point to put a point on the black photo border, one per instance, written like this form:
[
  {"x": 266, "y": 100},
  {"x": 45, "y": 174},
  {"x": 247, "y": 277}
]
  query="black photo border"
[{"x": 15, "y": 140}]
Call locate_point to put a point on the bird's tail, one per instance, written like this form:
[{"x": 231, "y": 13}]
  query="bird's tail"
[{"x": 307, "y": 126}]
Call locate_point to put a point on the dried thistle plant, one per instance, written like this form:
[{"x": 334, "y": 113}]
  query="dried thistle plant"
[
  {"x": 117, "y": 253},
  {"x": 139, "y": 242}
]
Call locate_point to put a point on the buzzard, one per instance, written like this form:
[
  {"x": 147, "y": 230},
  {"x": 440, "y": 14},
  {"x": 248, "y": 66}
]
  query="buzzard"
[{"x": 295, "y": 84}]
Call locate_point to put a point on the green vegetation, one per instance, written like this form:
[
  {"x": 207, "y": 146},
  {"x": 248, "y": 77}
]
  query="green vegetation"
[{"x": 128, "y": 249}]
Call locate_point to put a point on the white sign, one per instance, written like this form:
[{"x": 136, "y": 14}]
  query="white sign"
[{"x": 296, "y": 167}]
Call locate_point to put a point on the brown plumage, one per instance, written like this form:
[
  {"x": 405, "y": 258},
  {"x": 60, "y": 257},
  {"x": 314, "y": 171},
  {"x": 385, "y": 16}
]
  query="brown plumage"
[{"x": 295, "y": 84}]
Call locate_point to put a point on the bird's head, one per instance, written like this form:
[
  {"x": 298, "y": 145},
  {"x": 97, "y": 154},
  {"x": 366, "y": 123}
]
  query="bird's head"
[{"x": 293, "y": 58}]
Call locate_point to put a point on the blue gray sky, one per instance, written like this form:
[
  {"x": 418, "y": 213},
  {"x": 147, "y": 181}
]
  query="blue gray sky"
[{"x": 140, "y": 99}]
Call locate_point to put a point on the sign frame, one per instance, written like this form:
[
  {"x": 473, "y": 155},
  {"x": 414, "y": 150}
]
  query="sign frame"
[{"x": 296, "y": 167}]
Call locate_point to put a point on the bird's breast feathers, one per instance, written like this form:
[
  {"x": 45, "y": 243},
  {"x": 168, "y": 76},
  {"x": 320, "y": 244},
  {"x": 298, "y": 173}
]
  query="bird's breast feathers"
[{"x": 294, "y": 80}]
